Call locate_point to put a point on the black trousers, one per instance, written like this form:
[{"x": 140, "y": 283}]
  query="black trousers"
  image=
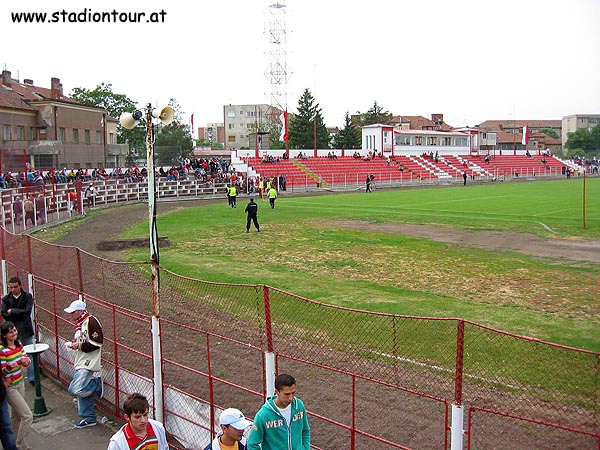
[{"x": 252, "y": 218}]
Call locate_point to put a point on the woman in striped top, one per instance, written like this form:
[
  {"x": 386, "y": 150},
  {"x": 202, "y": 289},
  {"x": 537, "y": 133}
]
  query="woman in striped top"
[{"x": 12, "y": 358}]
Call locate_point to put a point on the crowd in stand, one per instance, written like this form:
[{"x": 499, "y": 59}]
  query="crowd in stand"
[{"x": 204, "y": 169}]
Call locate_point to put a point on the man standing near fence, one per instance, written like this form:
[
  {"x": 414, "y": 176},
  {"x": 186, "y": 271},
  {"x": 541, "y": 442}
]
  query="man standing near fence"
[
  {"x": 86, "y": 379},
  {"x": 281, "y": 423},
  {"x": 16, "y": 308}
]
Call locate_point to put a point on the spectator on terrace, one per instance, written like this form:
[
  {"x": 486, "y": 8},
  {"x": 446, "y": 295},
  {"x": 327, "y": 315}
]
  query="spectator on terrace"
[
  {"x": 17, "y": 210},
  {"x": 29, "y": 208},
  {"x": 527, "y": 153},
  {"x": 40, "y": 204}
]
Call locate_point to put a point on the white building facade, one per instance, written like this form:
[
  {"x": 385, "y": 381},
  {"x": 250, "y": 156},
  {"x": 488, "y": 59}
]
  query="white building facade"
[{"x": 398, "y": 141}]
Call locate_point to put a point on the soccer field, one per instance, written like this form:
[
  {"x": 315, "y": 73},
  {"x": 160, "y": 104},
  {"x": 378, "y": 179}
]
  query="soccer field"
[{"x": 347, "y": 250}]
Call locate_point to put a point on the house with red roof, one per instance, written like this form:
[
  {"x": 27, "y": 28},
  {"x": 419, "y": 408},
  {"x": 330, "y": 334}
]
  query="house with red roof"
[{"x": 43, "y": 128}]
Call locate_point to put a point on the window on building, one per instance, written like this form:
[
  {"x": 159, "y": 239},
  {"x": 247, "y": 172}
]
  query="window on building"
[
  {"x": 593, "y": 120},
  {"x": 230, "y": 113},
  {"x": 231, "y": 138},
  {"x": 32, "y": 134},
  {"x": 231, "y": 126},
  {"x": 87, "y": 137},
  {"x": 61, "y": 134},
  {"x": 418, "y": 140},
  {"x": 98, "y": 137},
  {"x": 584, "y": 120},
  {"x": 20, "y": 133},
  {"x": 42, "y": 136},
  {"x": 6, "y": 132},
  {"x": 111, "y": 138},
  {"x": 447, "y": 141},
  {"x": 75, "y": 135}
]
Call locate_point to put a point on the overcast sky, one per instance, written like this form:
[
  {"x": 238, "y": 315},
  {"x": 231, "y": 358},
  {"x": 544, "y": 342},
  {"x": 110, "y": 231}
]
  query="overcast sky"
[{"x": 471, "y": 60}]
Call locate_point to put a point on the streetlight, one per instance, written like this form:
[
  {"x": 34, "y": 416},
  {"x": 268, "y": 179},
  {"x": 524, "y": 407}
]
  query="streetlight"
[{"x": 128, "y": 120}]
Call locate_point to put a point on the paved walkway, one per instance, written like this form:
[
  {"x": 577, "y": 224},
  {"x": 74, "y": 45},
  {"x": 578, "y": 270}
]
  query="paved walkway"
[{"x": 55, "y": 431}]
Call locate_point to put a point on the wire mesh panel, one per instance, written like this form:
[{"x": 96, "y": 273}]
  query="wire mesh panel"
[
  {"x": 530, "y": 378},
  {"x": 489, "y": 430},
  {"x": 404, "y": 351}
]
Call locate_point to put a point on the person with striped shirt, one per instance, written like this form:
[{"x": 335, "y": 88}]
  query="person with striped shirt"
[{"x": 12, "y": 359}]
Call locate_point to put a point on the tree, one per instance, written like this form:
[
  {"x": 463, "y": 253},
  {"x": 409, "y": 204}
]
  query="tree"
[
  {"x": 301, "y": 126},
  {"x": 550, "y": 132},
  {"x": 348, "y": 137},
  {"x": 375, "y": 115},
  {"x": 173, "y": 141},
  {"x": 114, "y": 104},
  {"x": 584, "y": 141}
]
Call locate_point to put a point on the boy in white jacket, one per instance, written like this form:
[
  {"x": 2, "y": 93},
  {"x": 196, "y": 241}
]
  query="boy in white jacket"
[{"x": 139, "y": 432}]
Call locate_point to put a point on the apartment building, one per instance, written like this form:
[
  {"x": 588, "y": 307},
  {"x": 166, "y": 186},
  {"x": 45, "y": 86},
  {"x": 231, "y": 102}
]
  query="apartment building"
[
  {"x": 47, "y": 129},
  {"x": 572, "y": 123},
  {"x": 244, "y": 125}
]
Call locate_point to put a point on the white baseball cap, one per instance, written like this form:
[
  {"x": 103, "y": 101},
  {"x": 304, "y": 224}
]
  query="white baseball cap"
[
  {"x": 76, "y": 305},
  {"x": 235, "y": 418}
]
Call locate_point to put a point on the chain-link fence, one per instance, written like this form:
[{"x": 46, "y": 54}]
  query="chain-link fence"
[{"x": 369, "y": 380}]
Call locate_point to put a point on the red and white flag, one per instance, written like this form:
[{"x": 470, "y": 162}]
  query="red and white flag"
[
  {"x": 284, "y": 127},
  {"x": 525, "y": 140}
]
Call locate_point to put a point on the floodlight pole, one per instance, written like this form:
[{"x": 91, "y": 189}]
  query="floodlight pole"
[{"x": 154, "y": 261}]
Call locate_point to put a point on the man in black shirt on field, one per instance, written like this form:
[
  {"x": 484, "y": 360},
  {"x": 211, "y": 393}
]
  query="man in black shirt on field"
[{"x": 252, "y": 211}]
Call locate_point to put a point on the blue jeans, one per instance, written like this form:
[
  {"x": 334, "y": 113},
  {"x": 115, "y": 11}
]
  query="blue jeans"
[
  {"x": 83, "y": 385},
  {"x": 27, "y": 341},
  {"x": 7, "y": 437}
]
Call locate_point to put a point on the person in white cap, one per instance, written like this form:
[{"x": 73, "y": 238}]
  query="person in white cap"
[
  {"x": 88, "y": 344},
  {"x": 231, "y": 437}
]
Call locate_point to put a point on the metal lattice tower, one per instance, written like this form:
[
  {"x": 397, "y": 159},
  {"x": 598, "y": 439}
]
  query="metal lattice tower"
[{"x": 277, "y": 72}]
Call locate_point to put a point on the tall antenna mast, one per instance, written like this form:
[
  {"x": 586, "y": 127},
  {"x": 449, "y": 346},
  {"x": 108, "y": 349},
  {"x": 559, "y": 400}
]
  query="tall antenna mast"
[{"x": 277, "y": 72}]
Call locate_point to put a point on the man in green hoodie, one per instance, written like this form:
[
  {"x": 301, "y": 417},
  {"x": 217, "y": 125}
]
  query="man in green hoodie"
[{"x": 281, "y": 423}]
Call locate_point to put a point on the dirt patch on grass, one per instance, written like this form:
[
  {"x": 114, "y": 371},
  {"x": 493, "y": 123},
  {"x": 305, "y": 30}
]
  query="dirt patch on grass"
[
  {"x": 107, "y": 224},
  {"x": 568, "y": 249}
]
